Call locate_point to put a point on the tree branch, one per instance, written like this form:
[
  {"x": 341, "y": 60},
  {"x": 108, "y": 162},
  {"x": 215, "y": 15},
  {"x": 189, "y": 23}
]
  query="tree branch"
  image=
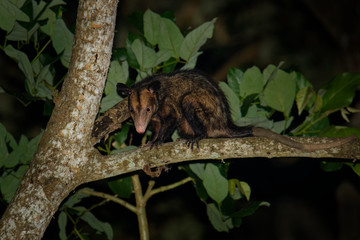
[{"x": 219, "y": 149}]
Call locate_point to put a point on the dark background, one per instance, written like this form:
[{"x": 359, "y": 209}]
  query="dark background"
[{"x": 317, "y": 38}]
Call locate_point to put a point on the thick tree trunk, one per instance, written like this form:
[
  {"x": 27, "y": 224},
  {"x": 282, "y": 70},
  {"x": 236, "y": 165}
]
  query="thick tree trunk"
[{"x": 65, "y": 147}]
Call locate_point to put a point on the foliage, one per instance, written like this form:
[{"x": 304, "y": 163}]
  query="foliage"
[
  {"x": 14, "y": 161},
  {"x": 69, "y": 211},
  {"x": 30, "y": 29},
  {"x": 284, "y": 102}
]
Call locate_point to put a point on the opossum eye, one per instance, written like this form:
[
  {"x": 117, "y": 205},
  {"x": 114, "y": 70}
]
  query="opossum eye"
[{"x": 148, "y": 109}]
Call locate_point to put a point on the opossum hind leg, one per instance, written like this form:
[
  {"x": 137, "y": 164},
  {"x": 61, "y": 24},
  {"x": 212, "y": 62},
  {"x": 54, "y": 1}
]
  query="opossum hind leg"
[
  {"x": 194, "y": 124},
  {"x": 185, "y": 131}
]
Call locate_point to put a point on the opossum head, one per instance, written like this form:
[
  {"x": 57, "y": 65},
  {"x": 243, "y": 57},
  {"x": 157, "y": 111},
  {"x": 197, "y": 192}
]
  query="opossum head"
[{"x": 143, "y": 103}]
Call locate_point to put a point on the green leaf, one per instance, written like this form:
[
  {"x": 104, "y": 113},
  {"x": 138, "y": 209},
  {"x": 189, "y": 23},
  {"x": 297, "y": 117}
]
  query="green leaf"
[
  {"x": 9, "y": 13},
  {"x": 331, "y": 166},
  {"x": 301, "y": 81},
  {"x": 341, "y": 91},
  {"x": 249, "y": 209},
  {"x": 280, "y": 92},
  {"x": 31, "y": 148},
  {"x": 24, "y": 152},
  {"x": 198, "y": 184},
  {"x": 244, "y": 189},
  {"x": 97, "y": 224},
  {"x": 118, "y": 73},
  {"x": 247, "y": 103},
  {"x": 18, "y": 33},
  {"x": 162, "y": 56},
  {"x": 50, "y": 18},
  {"x": 10, "y": 182},
  {"x": 269, "y": 72},
  {"x": 119, "y": 54},
  {"x": 6, "y": 139},
  {"x": 252, "y": 82},
  {"x": 355, "y": 168},
  {"x": 234, "y": 77},
  {"x": 170, "y": 37},
  {"x": 303, "y": 97},
  {"x": 280, "y": 126},
  {"x": 198, "y": 169},
  {"x": 62, "y": 40},
  {"x": 152, "y": 26},
  {"x": 232, "y": 189},
  {"x": 18, "y": 3},
  {"x": 62, "y": 221},
  {"x": 215, "y": 184},
  {"x": 318, "y": 103},
  {"x": 195, "y": 39},
  {"x": 318, "y": 127},
  {"x": 233, "y": 101},
  {"x": 54, "y": 3},
  {"x": 145, "y": 56},
  {"x": 169, "y": 65},
  {"x": 123, "y": 134},
  {"x": 217, "y": 219},
  {"x": 192, "y": 62},
  {"x": 24, "y": 65},
  {"x": 39, "y": 9},
  {"x": 340, "y": 131},
  {"x": 255, "y": 116},
  {"x": 122, "y": 187},
  {"x": 44, "y": 81},
  {"x": 45, "y": 75}
]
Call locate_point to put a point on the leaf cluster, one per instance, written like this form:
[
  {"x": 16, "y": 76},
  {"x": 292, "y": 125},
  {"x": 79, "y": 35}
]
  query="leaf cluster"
[
  {"x": 14, "y": 161},
  {"x": 76, "y": 214},
  {"x": 255, "y": 97},
  {"x": 227, "y": 200},
  {"x": 286, "y": 102},
  {"x": 32, "y": 28}
]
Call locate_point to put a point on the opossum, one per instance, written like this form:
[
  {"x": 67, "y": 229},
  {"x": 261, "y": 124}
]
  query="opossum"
[{"x": 193, "y": 104}]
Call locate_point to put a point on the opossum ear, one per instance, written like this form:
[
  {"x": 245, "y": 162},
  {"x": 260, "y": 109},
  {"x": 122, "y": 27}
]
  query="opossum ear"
[
  {"x": 123, "y": 90},
  {"x": 154, "y": 86}
]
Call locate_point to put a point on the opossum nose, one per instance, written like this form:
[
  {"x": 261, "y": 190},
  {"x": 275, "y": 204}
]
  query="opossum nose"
[{"x": 140, "y": 129}]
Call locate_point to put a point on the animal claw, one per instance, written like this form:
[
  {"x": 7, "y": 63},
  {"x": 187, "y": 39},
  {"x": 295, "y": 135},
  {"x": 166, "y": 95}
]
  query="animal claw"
[{"x": 190, "y": 142}]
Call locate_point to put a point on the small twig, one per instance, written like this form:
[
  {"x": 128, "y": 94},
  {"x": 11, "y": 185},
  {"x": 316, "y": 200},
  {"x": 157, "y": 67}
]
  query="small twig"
[
  {"x": 149, "y": 190},
  {"x": 141, "y": 208},
  {"x": 170, "y": 186},
  {"x": 111, "y": 198}
]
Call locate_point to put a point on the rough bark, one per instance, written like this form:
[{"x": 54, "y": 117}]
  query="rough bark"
[
  {"x": 65, "y": 147},
  {"x": 217, "y": 149},
  {"x": 110, "y": 121}
]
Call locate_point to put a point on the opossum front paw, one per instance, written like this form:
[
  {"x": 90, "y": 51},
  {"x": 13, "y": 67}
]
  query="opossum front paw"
[
  {"x": 190, "y": 142},
  {"x": 154, "y": 144}
]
